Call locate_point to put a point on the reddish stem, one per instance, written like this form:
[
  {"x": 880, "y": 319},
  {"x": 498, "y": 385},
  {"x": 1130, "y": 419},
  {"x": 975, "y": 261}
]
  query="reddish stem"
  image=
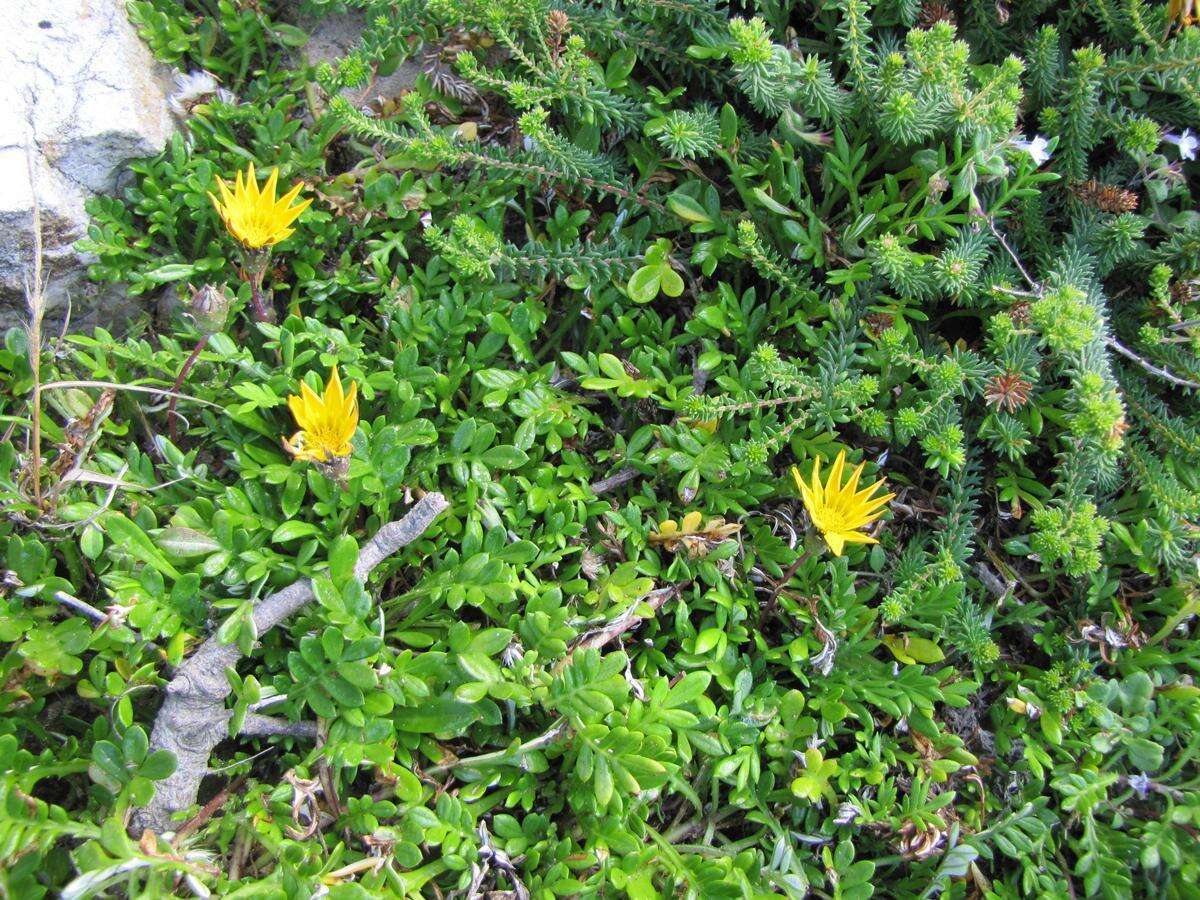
[
  {"x": 183, "y": 373},
  {"x": 260, "y": 306}
]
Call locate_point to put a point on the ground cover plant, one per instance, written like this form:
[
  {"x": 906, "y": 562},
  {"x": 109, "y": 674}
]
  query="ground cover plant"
[{"x": 673, "y": 449}]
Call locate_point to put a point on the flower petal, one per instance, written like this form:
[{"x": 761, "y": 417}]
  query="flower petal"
[
  {"x": 856, "y": 537},
  {"x": 299, "y": 411},
  {"x": 851, "y": 484},
  {"x": 333, "y": 392},
  {"x": 268, "y": 191},
  {"x": 815, "y": 485},
  {"x": 836, "y": 542},
  {"x": 251, "y": 185},
  {"x": 833, "y": 484}
]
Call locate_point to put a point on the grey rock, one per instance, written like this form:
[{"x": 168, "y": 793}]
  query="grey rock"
[
  {"x": 332, "y": 36},
  {"x": 80, "y": 95}
]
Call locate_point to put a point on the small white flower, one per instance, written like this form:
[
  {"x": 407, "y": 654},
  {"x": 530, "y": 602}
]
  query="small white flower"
[
  {"x": 1038, "y": 148},
  {"x": 195, "y": 87},
  {"x": 1187, "y": 143},
  {"x": 512, "y": 654}
]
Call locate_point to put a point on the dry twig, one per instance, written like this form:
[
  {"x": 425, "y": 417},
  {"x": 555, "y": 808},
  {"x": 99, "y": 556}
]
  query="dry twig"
[{"x": 193, "y": 718}]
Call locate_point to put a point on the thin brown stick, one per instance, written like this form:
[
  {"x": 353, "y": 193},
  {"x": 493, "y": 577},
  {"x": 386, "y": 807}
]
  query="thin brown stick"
[
  {"x": 210, "y": 809},
  {"x": 137, "y": 388},
  {"x": 626, "y": 621},
  {"x": 237, "y": 857},
  {"x": 506, "y": 756},
  {"x": 1034, "y": 285},
  {"x": 769, "y": 608},
  {"x": 80, "y": 607},
  {"x": 172, "y": 431}
]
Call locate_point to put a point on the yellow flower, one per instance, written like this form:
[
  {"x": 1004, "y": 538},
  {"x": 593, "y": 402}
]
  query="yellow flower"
[
  {"x": 327, "y": 423},
  {"x": 693, "y": 534},
  {"x": 254, "y": 216},
  {"x": 838, "y": 510}
]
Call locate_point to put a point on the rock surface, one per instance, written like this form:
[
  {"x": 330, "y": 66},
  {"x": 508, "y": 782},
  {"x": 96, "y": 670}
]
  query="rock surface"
[
  {"x": 334, "y": 35},
  {"x": 80, "y": 95}
]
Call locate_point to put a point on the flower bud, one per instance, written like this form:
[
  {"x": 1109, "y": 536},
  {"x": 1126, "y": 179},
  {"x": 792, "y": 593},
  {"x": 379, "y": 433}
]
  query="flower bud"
[{"x": 209, "y": 308}]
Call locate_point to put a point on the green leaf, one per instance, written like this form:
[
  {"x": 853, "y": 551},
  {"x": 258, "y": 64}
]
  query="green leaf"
[
  {"x": 602, "y": 782},
  {"x": 437, "y": 715},
  {"x": 132, "y": 540},
  {"x": 690, "y": 687},
  {"x": 342, "y": 691},
  {"x": 771, "y": 203},
  {"x": 186, "y": 542},
  {"x": 294, "y": 530},
  {"x": 643, "y": 284},
  {"x": 171, "y": 272},
  {"x": 342, "y": 557},
  {"x": 671, "y": 282},
  {"x": 158, "y": 765},
  {"x": 686, "y": 208},
  {"x": 708, "y": 639},
  {"x": 504, "y": 456}
]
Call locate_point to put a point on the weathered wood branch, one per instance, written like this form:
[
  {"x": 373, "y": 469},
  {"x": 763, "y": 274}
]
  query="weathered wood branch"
[
  {"x": 255, "y": 725},
  {"x": 193, "y": 718}
]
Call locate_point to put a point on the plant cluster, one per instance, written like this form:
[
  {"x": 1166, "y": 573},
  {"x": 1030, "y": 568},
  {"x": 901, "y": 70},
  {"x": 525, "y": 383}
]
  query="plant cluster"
[{"x": 673, "y": 449}]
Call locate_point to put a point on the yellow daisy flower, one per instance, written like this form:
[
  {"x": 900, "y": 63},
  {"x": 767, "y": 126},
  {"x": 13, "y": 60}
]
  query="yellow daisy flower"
[
  {"x": 838, "y": 510},
  {"x": 253, "y": 216},
  {"x": 327, "y": 423}
]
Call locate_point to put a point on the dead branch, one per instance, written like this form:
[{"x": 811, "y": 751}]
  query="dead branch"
[
  {"x": 612, "y": 482},
  {"x": 1150, "y": 367},
  {"x": 193, "y": 718},
  {"x": 255, "y": 725},
  {"x": 626, "y": 621}
]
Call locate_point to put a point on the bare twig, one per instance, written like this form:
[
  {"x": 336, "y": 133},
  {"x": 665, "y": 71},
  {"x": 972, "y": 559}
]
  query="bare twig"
[
  {"x": 79, "y": 606},
  {"x": 1034, "y": 285},
  {"x": 1150, "y": 367},
  {"x": 210, "y": 809},
  {"x": 626, "y": 621},
  {"x": 36, "y": 300},
  {"x": 508, "y": 756},
  {"x": 614, "y": 481},
  {"x": 255, "y": 725},
  {"x": 699, "y": 377},
  {"x": 237, "y": 857},
  {"x": 145, "y": 389},
  {"x": 1112, "y": 342},
  {"x": 769, "y": 608},
  {"x": 193, "y": 718},
  {"x": 999, "y": 589}
]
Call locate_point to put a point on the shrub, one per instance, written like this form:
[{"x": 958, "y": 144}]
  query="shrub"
[{"x": 445, "y": 538}]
